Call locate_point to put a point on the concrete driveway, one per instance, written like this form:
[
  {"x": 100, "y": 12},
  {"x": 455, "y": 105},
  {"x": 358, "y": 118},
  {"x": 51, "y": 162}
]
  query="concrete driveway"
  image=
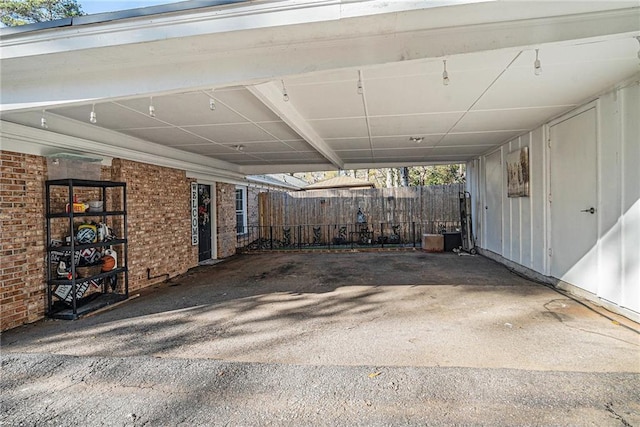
[{"x": 381, "y": 338}]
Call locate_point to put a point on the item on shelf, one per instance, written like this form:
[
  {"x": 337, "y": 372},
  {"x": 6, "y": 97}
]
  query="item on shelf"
[
  {"x": 96, "y": 206},
  {"x": 62, "y": 270},
  {"x": 104, "y": 232},
  {"x": 64, "y": 291},
  {"x": 90, "y": 255},
  {"x": 77, "y": 206},
  {"x": 108, "y": 261},
  {"x": 87, "y": 271},
  {"x": 87, "y": 233},
  {"x": 56, "y": 256}
]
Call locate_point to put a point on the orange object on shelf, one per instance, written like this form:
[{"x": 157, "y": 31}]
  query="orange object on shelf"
[{"x": 77, "y": 207}]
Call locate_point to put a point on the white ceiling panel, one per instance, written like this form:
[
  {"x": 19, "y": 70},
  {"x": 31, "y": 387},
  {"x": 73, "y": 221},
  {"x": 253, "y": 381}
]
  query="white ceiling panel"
[
  {"x": 413, "y": 125},
  {"x": 426, "y": 94},
  {"x": 414, "y": 150},
  {"x": 570, "y": 74},
  {"x": 232, "y": 133},
  {"x": 166, "y": 136},
  {"x": 210, "y": 149},
  {"x": 328, "y": 100},
  {"x": 481, "y": 138},
  {"x": 275, "y": 147},
  {"x": 348, "y": 143},
  {"x": 515, "y": 119},
  {"x": 403, "y": 141},
  {"x": 184, "y": 109},
  {"x": 341, "y": 128},
  {"x": 109, "y": 115},
  {"x": 291, "y": 157}
]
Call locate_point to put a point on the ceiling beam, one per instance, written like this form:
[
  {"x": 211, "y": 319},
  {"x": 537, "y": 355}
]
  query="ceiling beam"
[{"x": 271, "y": 95}]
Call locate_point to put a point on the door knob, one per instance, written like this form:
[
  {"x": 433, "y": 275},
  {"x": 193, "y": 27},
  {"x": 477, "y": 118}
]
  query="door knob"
[{"x": 590, "y": 210}]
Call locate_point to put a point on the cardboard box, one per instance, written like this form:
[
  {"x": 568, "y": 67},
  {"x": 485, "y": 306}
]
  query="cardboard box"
[{"x": 433, "y": 242}]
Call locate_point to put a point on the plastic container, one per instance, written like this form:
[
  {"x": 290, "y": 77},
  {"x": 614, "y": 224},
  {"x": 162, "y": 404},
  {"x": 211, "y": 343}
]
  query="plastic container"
[
  {"x": 96, "y": 206},
  {"x": 66, "y": 165}
]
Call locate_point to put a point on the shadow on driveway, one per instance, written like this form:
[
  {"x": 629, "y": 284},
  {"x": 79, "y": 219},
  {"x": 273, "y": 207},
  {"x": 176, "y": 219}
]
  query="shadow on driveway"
[{"x": 390, "y": 308}]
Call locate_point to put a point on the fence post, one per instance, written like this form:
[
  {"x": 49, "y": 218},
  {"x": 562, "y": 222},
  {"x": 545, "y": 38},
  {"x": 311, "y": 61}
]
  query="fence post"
[
  {"x": 299, "y": 237},
  {"x": 381, "y": 235},
  {"x": 413, "y": 233},
  {"x": 271, "y": 236}
]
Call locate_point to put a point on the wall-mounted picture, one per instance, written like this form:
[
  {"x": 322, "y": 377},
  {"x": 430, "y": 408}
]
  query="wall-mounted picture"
[{"x": 518, "y": 173}]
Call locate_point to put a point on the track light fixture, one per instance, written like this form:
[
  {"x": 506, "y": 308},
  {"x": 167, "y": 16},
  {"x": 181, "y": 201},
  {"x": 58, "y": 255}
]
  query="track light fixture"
[
  {"x": 92, "y": 116},
  {"x": 212, "y": 104},
  {"x": 152, "y": 109},
  {"x": 239, "y": 147},
  {"x": 285, "y": 95},
  {"x": 445, "y": 74},
  {"x": 416, "y": 139},
  {"x": 43, "y": 121},
  {"x": 360, "y": 90},
  {"x": 537, "y": 68}
]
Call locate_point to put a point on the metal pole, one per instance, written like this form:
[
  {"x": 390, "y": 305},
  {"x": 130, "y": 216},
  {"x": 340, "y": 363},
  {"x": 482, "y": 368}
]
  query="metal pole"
[{"x": 271, "y": 236}]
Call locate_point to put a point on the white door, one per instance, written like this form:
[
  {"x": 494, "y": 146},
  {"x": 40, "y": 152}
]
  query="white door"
[
  {"x": 573, "y": 179},
  {"x": 493, "y": 203}
]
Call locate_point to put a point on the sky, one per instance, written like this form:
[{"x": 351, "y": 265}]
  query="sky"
[{"x": 91, "y": 7}]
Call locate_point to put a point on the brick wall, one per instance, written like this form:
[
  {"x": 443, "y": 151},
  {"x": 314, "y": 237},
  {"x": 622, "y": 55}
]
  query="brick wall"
[
  {"x": 226, "y": 219},
  {"x": 22, "y": 274},
  {"x": 253, "y": 207},
  {"x": 159, "y": 221},
  {"x": 159, "y": 224}
]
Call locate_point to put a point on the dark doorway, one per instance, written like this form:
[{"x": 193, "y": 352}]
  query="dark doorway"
[{"x": 204, "y": 222}]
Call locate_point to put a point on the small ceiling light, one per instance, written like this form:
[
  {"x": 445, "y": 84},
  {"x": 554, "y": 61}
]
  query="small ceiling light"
[
  {"x": 416, "y": 139},
  {"x": 43, "y": 121},
  {"x": 152, "y": 109},
  {"x": 92, "y": 116},
  {"x": 239, "y": 147},
  {"x": 360, "y": 90},
  {"x": 638, "y": 38},
  {"x": 285, "y": 95},
  {"x": 537, "y": 68},
  {"x": 445, "y": 74},
  {"x": 212, "y": 104}
]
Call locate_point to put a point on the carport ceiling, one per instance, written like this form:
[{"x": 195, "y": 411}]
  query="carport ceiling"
[{"x": 403, "y": 115}]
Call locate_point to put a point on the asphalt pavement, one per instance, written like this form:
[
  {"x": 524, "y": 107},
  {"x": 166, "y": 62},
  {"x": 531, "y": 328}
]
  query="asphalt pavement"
[{"x": 391, "y": 338}]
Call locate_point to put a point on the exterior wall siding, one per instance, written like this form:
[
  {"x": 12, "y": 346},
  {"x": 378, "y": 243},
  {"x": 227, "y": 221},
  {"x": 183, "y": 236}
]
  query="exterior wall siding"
[{"x": 525, "y": 220}]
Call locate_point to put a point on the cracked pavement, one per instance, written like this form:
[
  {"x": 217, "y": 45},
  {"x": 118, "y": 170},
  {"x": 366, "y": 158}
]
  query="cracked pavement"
[{"x": 391, "y": 338}]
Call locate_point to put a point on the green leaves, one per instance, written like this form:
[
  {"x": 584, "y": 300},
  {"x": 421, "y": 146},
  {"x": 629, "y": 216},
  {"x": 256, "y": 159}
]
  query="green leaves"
[{"x": 21, "y": 12}]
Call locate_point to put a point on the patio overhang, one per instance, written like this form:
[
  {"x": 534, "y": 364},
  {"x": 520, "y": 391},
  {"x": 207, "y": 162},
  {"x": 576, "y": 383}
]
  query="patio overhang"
[{"x": 240, "y": 58}]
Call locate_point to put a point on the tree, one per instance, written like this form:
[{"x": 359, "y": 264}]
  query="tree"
[
  {"x": 20, "y": 12},
  {"x": 437, "y": 175}
]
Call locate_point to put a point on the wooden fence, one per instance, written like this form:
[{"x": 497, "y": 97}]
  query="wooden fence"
[{"x": 434, "y": 207}]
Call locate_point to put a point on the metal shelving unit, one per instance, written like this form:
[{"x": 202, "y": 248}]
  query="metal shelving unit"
[{"x": 107, "y": 294}]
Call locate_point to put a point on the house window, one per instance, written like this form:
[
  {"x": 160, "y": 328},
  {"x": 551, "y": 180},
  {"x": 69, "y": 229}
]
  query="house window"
[{"x": 241, "y": 210}]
